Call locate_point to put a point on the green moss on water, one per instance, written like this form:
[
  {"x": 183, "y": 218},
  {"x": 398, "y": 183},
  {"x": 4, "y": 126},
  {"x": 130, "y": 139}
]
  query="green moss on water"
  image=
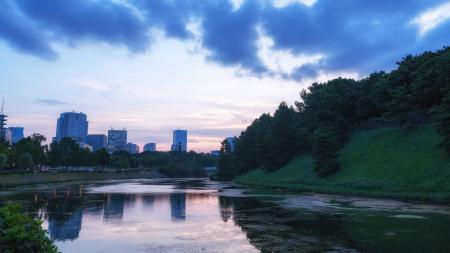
[{"x": 390, "y": 162}]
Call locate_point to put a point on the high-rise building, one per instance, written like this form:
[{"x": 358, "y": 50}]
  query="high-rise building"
[
  {"x": 3, "y": 125},
  {"x": 232, "y": 143},
  {"x": 132, "y": 148},
  {"x": 16, "y": 134},
  {"x": 72, "y": 125},
  {"x": 214, "y": 153},
  {"x": 117, "y": 140},
  {"x": 97, "y": 141},
  {"x": 179, "y": 141},
  {"x": 150, "y": 147},
  {"x": 3, "y": 122}
]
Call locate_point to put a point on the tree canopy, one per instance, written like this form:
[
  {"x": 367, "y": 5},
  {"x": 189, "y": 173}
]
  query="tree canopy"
[{"x": 327, "y": 113}]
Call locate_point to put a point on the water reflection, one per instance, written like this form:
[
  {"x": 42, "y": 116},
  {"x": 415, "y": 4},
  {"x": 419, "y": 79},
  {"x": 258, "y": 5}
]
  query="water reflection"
[
  {"x": 178, "y": 206},
  {"x": 196, "y": 218},
  {"x": 113, "y": 208}
]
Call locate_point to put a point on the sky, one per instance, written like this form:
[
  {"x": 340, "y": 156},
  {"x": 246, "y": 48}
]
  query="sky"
[{"x": 209, "y": 67}]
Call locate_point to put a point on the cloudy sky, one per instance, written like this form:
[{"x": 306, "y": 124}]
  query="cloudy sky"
[{"x": 207, "y": 66}]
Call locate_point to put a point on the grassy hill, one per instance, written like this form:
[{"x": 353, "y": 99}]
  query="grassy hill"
[{"x": 389, "y": 162}]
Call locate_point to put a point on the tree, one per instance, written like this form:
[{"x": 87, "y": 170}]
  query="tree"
[
  {"x": 3, "y": 161},
  {"x": 441, "y": 114},
  {"x": 226, "y": 169},
  {"x": 122, "y": 160},
  {"x": 34, "y": 146},
  {"x": 21, "y": 233},
  {"x": 325, "y": 151},
  {"x": 283, "y": 141},
  {"x": 26, "y": 161},
  {"x": 101, "y": 158},
  {"x": 68, "y": 153}
]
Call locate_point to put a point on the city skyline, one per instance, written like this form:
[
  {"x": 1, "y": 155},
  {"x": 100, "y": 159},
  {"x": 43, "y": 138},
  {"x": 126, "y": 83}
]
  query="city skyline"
[{"x": 152, "y": 72}]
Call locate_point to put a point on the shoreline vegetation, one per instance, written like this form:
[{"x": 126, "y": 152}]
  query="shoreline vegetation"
[
  {"x": 386, "y": 135},
  {"x": 389, "y": 163},
  {"x": 18, "y": 179}
]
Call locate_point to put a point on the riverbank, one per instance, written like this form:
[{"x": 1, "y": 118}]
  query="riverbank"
[
  {"x": 11, "y": 180},
  {"x": 405, "y": 164}
]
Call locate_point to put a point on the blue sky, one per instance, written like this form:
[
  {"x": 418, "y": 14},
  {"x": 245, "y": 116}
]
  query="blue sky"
[{"x": 209, "y": 67}]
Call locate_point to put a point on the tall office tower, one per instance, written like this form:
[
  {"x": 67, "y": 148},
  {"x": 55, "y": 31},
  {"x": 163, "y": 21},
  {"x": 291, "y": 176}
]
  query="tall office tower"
[
  {"x": 132, "y": 148},
  {"x": 117, "y": 140},
  {"x": 232, "y": 143},
  {"x": 97, "y": 141},
  {"x": 3, "y": 122},
  {"x": 16, "y": 134},
  {"x": 73, "y": 125},
  {"x": 179, "y": 141},
  {"x": 150, "y": 147}
]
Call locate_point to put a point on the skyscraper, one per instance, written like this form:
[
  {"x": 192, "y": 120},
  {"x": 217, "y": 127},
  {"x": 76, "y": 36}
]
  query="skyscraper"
[
  {"x": 132, "y": 148},
  {"x": 73, "y": 125},
  {"x": 179, "y": 142},
  {"x": 97, "y": 141},
  {"x": 150, "y": 147},
  {"x": 16, "y": 134},
  {"x": 117, "y": 140},
  {"x": 3, "y": 126},
  {"x": 3, "y": 122}
]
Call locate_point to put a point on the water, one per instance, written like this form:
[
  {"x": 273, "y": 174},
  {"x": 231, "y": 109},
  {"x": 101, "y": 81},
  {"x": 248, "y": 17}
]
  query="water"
[{"x": 204, "y": 216}]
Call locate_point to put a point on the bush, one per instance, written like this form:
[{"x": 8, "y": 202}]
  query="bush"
[{"x": 21, "y": 233}]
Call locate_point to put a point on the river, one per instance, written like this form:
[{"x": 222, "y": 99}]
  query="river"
[{"x": 197, "y": 215}]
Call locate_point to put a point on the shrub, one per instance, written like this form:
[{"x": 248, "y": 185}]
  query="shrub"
[{"x": 21, "y": 233}]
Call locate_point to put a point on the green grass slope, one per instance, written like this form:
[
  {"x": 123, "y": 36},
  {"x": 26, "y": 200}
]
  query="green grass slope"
[{"x": 390, "y": 162}]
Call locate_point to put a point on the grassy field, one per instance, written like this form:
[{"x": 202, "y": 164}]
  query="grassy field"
[
  {"x": 11, "y": 180},
  {"x": 390, "y": 162}
]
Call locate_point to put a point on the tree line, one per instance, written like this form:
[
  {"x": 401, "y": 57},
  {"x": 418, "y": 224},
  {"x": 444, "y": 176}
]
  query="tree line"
[
  {"x": 322, "y": 120},
  {"x": 32, "y": 152}
]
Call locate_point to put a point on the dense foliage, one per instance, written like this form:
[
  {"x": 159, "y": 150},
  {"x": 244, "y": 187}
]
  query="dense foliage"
[
  {"x": 31, "y": 153},
  {"x": 328, "y": 112},
  {"x": 21, "y": 233}
]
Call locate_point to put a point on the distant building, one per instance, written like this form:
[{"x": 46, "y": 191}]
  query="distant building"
[
  {"x": 179, "y": 141},
  {"x": 97, "y": 141},
  {"x": 132, "y": 148},
  {"x": 214, "y": 153},
  {"x": 15, "y": 134},
  {"x": 117, "y": 140},
  {"x": 3, "y": 126},
  {"x": 73, "y": 125},
  {"x": 232, "y": 143},
  {"x": 85, "y": 145},
  {"x": 150, "y": 147}
]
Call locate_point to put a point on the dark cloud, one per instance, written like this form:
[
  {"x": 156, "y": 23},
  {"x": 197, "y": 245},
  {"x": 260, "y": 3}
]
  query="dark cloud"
[
  {"x": 352, "y": 35},
  {"x": 231, "y": 36},
  {"x": 51, "y": 102},
  {"x": 170, "y": 16},
  {"x": 105, "y": 21},
  {"x": 21, "y": 34}
]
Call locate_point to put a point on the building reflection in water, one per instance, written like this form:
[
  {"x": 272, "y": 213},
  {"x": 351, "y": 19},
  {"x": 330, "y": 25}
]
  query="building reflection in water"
[
  {"x": 178, "y": 206},
  {"x": 113, "y": 208},
  {"x": 66, "y": 229},
  {"x": 148, "y": 200},
  {"x": 64, "y": 215}
]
